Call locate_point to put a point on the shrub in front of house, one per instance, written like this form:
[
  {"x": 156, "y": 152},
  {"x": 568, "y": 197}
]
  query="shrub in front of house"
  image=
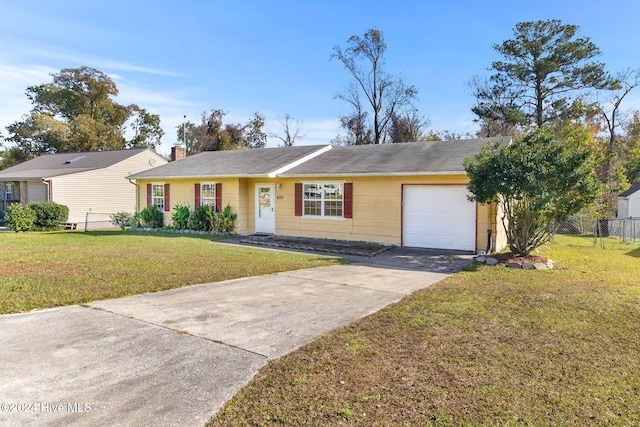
[
  {"x": 201, "y": 219},
  {"x": 49, "y": 215},
  {"x": 150, "y": 217},
  {"x": 121, "y": 219},
  {"x": 180, "y": 217},
  {"x": 223, "y": 221},
  {"x": 20, "y": 217}
]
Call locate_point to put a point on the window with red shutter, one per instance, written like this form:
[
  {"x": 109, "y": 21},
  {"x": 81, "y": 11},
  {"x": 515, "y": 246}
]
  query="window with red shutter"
[
  {"x": 149, "y": 195},
  {"x": 348, "y": 200},
  {"x": 218, "y": 197},
  {"x": 167, "y": 198},
  {"x": 298, "y": 199}
]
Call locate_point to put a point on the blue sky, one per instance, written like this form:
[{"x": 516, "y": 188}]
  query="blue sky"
[{"x": 183, "y": 58}]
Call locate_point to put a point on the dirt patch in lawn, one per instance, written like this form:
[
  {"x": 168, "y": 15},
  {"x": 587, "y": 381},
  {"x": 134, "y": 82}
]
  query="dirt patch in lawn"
[{"x": 507, "y": 257}]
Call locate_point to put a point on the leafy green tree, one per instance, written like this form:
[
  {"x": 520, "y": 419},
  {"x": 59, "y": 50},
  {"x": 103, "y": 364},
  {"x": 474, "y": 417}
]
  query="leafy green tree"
[
  {"x": 386, "y": 95},
  {"x": 76, "y": 112},
  {"x": 536, "y": 182},
  {"x": 213, "y": 135},
  {"x": 252, "y": 134},
  {"x": 498, "y": 106},
  {"x": 145, "y": 127},
  {"x": 631, "y": 164},
  {"x": 544, "y": 65}
]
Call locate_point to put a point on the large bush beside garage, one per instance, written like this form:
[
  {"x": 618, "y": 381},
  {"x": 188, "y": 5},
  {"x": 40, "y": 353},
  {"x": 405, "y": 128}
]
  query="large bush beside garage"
[
  {"x": 36, "y": 216},
  {"x": 49, "y": 215}
]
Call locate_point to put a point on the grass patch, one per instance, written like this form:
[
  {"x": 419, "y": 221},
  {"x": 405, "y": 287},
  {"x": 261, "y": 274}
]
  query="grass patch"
[
  {"x": 488, "y": 346},
  {"x": 40, "y": 270}
]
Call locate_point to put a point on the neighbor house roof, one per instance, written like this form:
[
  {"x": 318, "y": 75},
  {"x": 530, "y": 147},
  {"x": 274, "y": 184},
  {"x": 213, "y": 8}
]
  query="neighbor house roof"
[
  {"x": 261, "y": 162},
  {"x": 630, "y": 191},
  {"x": 52, "y": 165},
  {"x": 411, "y": 158}
]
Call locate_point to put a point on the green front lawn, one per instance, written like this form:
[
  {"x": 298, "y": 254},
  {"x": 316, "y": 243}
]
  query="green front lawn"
[
  {"x": 40, "y": 270},
  {"x": 489, "y": 346}
]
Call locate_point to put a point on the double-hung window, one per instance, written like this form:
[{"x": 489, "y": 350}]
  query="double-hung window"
[
  {"x": 323, "y": 199},
  {"x": 8, "y": 191},
  {"x": 208, "y": 194},
  {"x": 157, "y": 196}
]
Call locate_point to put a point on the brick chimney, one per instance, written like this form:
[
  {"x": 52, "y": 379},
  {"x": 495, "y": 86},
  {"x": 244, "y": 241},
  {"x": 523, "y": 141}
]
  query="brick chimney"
[{"x": 177, "y": 153}]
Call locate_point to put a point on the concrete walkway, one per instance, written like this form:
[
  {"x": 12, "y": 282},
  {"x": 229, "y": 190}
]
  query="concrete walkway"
[{"x": 174, "y": 358}]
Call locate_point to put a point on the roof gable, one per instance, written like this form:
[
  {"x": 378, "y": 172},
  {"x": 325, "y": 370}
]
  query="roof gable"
[
  {"x": 50, "y": 165},
  {"x": 634, "y": 188}
]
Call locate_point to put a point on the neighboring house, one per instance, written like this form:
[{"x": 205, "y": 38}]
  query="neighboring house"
[
  {"x": 411, "y": 194},
  {"x": 91, "y": 184},
  {"x": 629, "y": 203}
]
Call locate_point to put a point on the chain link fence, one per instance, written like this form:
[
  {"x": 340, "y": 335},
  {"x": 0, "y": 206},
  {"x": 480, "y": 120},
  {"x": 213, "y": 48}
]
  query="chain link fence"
[{"x": 599, "y": 230}]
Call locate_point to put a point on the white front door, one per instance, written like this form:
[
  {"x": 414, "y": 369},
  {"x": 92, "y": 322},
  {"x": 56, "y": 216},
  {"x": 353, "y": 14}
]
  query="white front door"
[{"x": 265, "y": 209}]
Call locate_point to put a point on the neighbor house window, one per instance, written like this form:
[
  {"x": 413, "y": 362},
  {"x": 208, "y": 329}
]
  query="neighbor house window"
[
  {"x": 9, "y": 191},
  {"x": 323, "y": 199},
  {"x": 157, "y": 196}
]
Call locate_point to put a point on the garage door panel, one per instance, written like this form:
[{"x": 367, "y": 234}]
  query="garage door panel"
[{"x": 438, "y": 216}]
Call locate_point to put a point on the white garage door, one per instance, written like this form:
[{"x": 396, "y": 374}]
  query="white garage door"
[{"x": 438, "y": 216}]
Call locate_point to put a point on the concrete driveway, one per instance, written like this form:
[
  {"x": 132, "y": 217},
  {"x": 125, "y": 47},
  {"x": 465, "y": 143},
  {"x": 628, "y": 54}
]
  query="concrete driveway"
[{"x": 174, "y": 358}]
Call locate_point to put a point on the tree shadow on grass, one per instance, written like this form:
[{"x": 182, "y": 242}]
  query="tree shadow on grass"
[
  {"x": 634, "y": 253},
  {"x": 116, "y": 233}
]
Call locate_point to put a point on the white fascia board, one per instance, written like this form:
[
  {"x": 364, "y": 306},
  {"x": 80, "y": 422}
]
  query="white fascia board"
[
  {"x": 374, "y": 174},
  {"x": 300, "y": 161}
]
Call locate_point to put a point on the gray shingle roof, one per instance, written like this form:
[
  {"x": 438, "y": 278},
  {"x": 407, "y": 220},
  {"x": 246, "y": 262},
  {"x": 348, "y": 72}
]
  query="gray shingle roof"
[
  {"x": 50, "y": 165},
  {"x": 413, "y": 158},
  {"x": 262, "y": 162},
  {"x": 630, "y": 191}
]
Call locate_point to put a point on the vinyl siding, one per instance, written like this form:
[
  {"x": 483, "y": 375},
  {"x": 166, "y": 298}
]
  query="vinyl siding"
[
  {"x": 634, "y": 205},
  {"x": 103, "y": 191}
]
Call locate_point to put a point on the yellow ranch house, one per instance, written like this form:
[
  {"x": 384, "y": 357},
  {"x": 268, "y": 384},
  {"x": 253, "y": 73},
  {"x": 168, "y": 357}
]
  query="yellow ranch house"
[{"x": 411, "y": 194}]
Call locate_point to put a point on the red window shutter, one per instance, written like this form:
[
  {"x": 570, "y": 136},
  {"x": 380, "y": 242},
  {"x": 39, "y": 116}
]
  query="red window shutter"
[
  {"x": 197, "y": 191},
  {"x": 167, "y": 198},
  {"x": 149, "y": 199},
  {"x": 298, "y": 199},
  {"x": 348, "y": 200},
  {"x": 218, "y": 197}
]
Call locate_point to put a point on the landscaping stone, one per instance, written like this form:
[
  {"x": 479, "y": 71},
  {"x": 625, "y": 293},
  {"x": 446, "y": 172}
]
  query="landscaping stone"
[
  {"x": 527, "y": 266},
  {"x": 491, "y": 261},
  {"x": 514, "y": 265},
  {"x": 540, "y": 266},
  {"x": 481, "y": 258}
]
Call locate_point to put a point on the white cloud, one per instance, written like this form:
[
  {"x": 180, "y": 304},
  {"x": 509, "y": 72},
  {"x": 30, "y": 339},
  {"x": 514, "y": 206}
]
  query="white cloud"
[
  {"x": 97, "y": 62},
  {"x": 15, "y": 80}
]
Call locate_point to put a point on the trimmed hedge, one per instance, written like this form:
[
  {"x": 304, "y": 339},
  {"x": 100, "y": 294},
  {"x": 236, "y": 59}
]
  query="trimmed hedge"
[{"x": 49, "y": 215}]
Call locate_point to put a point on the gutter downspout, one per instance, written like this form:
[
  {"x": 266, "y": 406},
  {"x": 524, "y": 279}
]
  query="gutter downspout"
[
  {"x": 137, "y": 194},
  {"x": 47, "y": 182}
]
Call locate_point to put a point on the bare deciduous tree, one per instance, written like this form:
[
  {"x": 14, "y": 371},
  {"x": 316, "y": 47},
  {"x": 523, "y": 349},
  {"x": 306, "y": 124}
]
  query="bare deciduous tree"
[
  {"x": 384, "y": 93},
  {"x": 292, "y": 131}
]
